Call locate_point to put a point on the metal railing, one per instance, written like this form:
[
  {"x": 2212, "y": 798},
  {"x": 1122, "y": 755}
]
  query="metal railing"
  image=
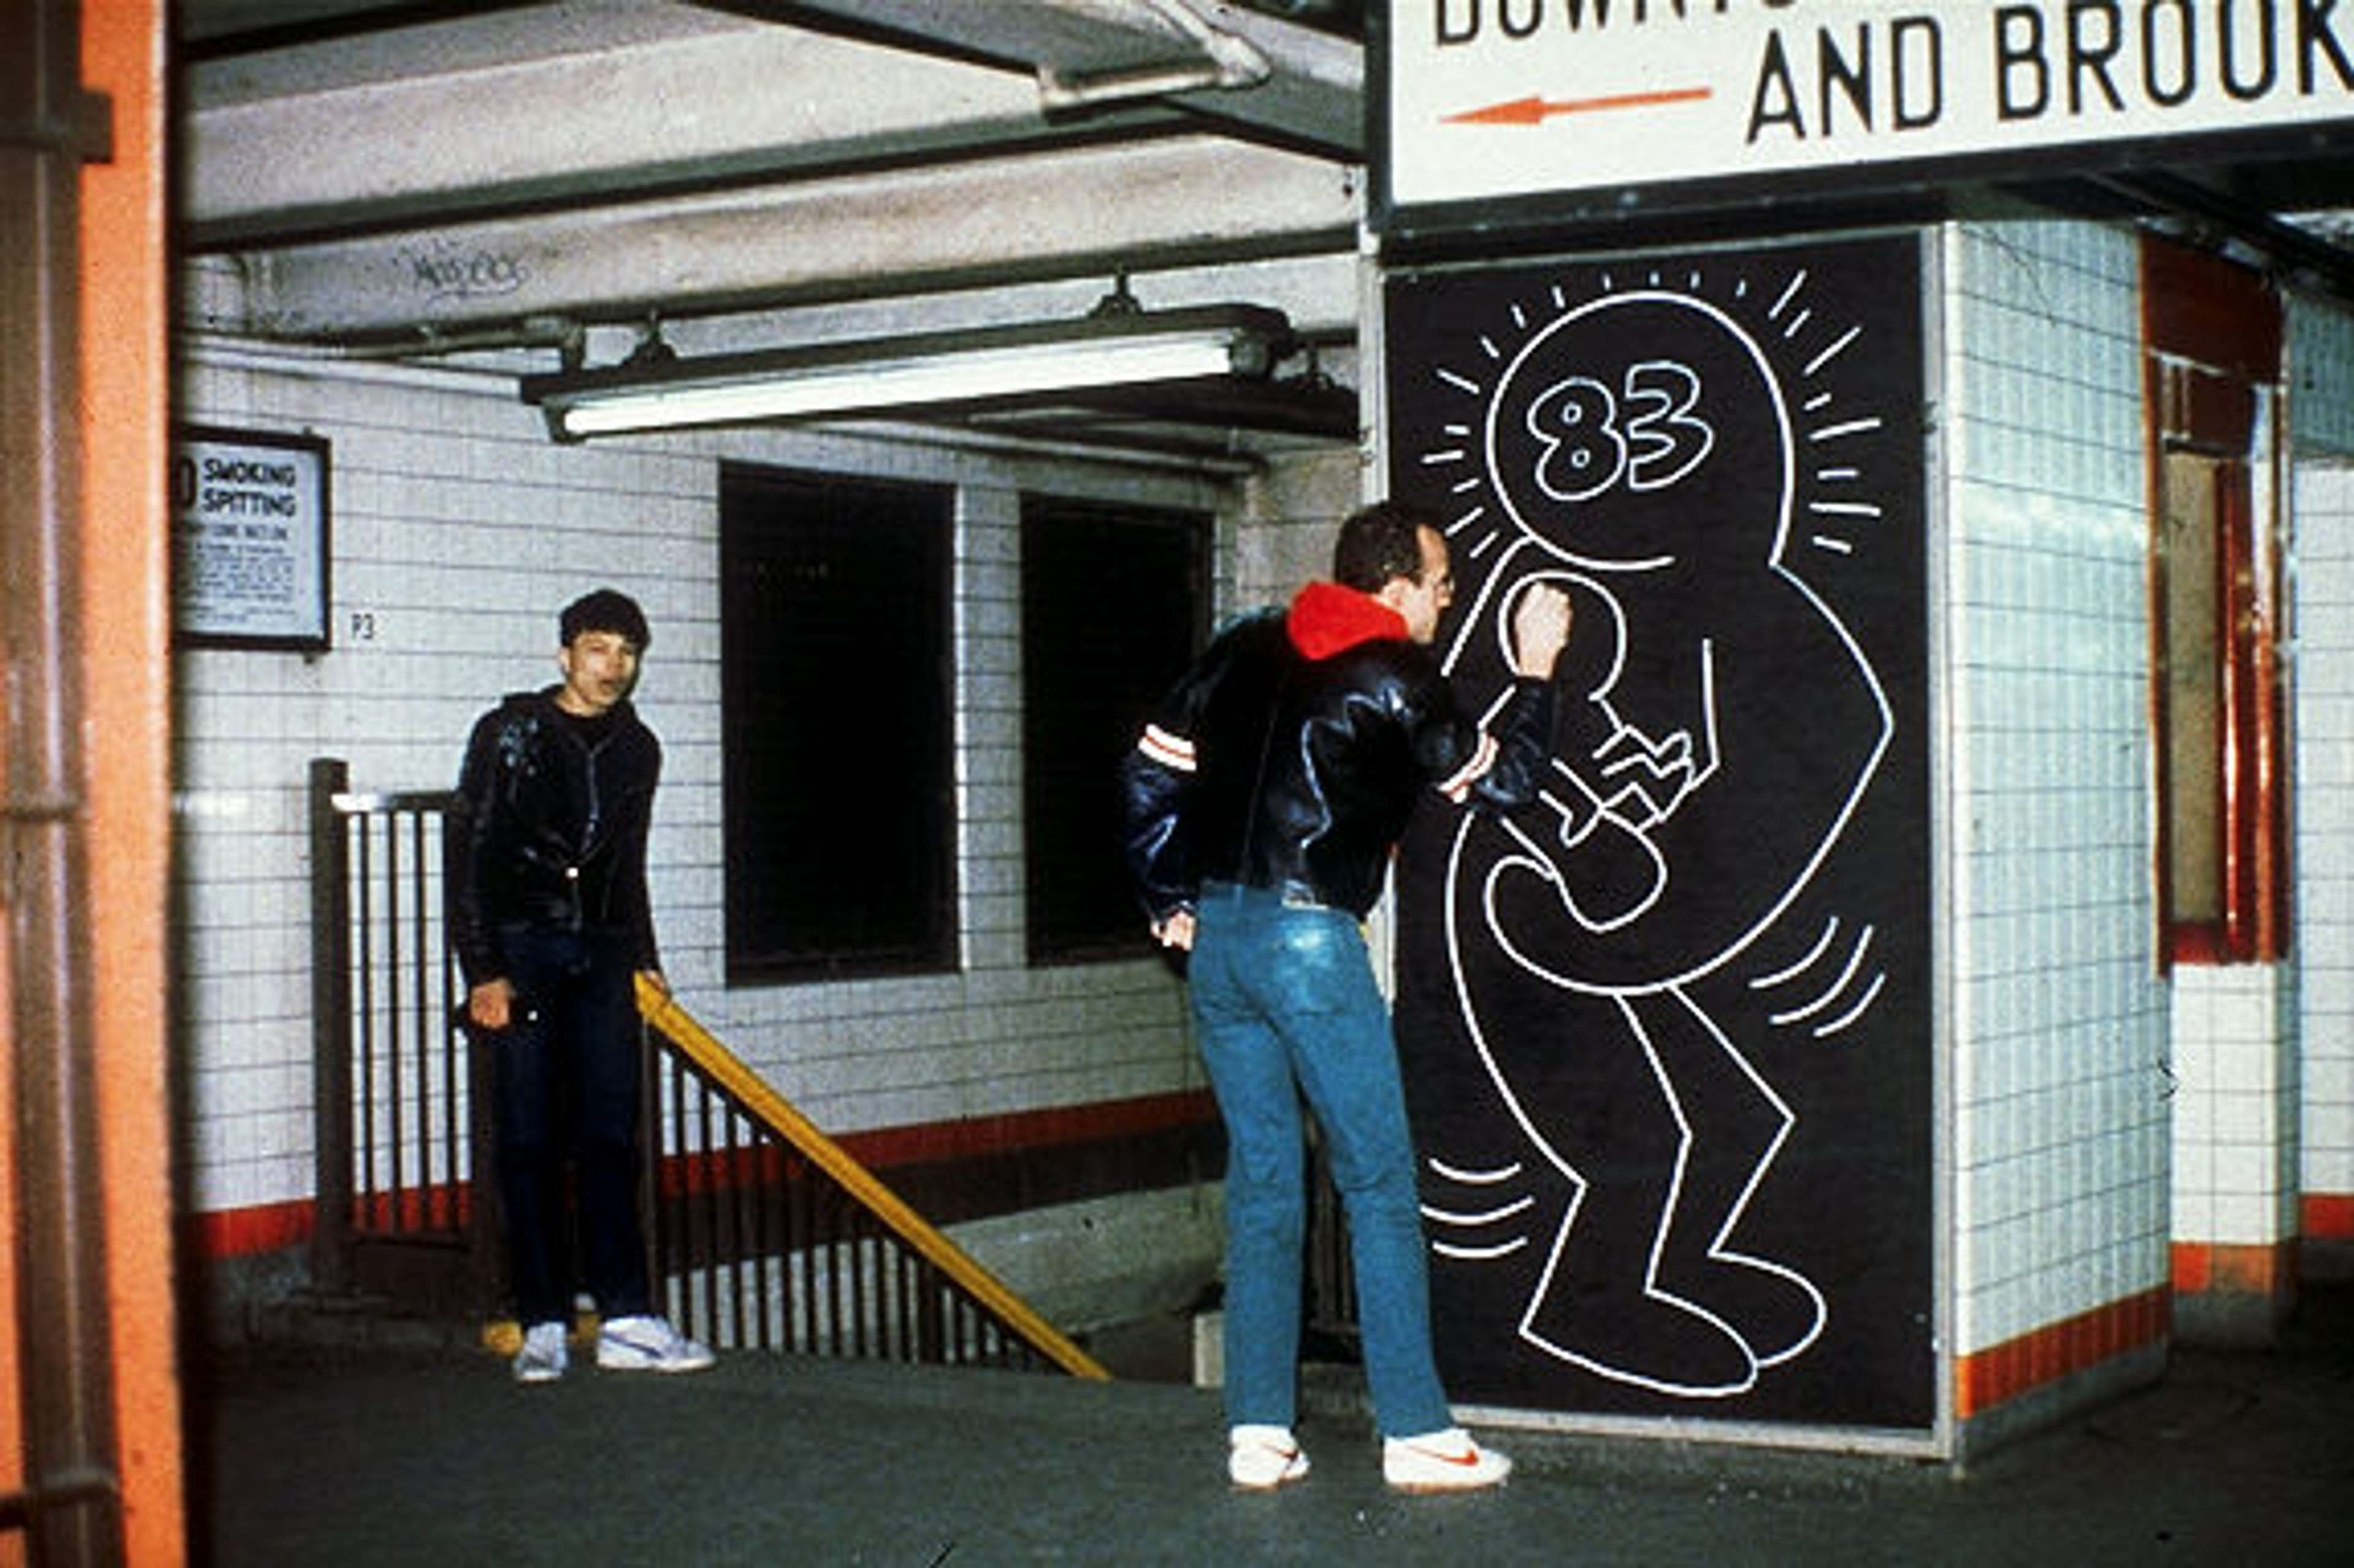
[
  {"x": 401, "y": 1104},
  {"x": 765, "y": 1233},
  {"x": 769, "y": 1235}
]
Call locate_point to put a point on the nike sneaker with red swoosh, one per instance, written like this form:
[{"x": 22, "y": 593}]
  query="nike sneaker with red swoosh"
[
  {"x": 1446, "y": 1461},
  {"x": 1260, "y": 1458}
]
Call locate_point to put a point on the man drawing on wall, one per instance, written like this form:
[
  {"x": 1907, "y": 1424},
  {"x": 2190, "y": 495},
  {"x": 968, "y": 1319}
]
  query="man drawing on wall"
[{"x": 1264, "y": 801}]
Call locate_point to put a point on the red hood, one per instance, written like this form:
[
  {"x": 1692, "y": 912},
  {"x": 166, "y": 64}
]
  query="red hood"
[{"x": 1326, "y": 618}]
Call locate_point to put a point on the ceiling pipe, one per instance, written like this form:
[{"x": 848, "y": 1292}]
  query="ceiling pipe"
[
  {"x": 1231, "y": 63},
  {"x": 1113, "y": 450},
  {"x": 214, "y": 352},
  {"x": 570, "y": 338}
]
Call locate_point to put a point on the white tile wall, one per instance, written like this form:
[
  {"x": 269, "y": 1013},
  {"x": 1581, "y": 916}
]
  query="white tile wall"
[
  {"x": 460, "y": 530},
  {"x": 2236, "y": 1134},
  {"x": 2059, "y": 1078},
  {"x": 2321, "y": 417}
]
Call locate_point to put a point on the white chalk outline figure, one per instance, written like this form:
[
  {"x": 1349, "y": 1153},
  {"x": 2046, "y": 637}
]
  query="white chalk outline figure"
[
  {"x": 1622, "y": 783},
  {"x": 1653, "y": 765}
]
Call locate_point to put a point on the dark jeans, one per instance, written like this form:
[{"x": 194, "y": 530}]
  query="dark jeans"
[{"x": 569, "y": 1088}]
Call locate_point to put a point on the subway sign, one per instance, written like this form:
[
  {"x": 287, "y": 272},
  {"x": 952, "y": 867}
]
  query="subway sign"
[{"x": 1498, "y": 99}]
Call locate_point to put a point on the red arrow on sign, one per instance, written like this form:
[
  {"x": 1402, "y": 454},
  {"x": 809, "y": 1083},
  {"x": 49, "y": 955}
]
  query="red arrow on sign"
[{"x": 1536, "y": 111}]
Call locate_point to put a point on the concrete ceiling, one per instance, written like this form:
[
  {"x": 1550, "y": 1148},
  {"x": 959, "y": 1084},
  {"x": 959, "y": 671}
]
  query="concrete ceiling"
[
  {"x": 425, "y": 179},
  {"x": 422, "y": 179},
  {"x": 432, "y": 180}
]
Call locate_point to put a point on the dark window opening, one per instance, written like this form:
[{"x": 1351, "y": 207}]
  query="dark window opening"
[
  {"x": 837, "y": 730},
  {"x": 1114, "y": 605}
]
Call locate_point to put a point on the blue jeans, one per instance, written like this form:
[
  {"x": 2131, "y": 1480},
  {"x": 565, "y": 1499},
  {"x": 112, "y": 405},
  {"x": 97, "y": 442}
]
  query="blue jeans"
[
  {"x": 1284, "y": 1003},
  {"x": 568, "y": 1085}
]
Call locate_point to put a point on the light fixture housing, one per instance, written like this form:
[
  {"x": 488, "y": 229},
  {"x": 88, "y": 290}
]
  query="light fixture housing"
[{"x": 1120, "y": 353}]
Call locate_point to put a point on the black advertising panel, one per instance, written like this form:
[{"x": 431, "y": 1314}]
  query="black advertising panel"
[{"x": 1667, "y": 1033}]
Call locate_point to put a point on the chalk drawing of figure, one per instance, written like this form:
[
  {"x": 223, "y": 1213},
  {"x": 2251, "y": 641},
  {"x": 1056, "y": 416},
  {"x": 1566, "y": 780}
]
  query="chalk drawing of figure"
[{"x": 1719, "y": 726}]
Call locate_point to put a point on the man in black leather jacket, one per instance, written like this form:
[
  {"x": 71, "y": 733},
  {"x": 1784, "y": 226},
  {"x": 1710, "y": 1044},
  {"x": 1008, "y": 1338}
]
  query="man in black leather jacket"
[
  {"x": 550, "y": 920},
  {"x": 1262, "y": 803}
]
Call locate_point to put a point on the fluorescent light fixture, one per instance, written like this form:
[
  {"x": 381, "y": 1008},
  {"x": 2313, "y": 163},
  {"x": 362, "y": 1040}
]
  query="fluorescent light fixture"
[{"x": 986, "y": 367}]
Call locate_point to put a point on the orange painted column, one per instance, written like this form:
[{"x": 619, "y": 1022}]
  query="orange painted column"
[
  {"x": 12, "y": 1392},
  {"x": 126, "y": 684}
]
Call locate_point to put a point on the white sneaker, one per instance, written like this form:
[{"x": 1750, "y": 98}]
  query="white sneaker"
[
  {"x": 1261, "y": 1459},
  {"x": 648, "y": 1344},
  {"x": 1444, "y": 1461},
  {"x": 543, "y": 1356}
]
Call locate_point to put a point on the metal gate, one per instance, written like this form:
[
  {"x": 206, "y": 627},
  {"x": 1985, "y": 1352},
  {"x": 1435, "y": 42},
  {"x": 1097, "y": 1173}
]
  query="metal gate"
[{"x": 402, "y": 1104}]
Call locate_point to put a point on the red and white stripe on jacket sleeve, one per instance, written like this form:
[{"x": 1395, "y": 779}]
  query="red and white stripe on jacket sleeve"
[
  {"x": 1173, "y": 751},
  {"x": 1457, "y": 786}
]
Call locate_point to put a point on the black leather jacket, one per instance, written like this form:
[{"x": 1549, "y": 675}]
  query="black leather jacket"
[
  {"x": 550, "y": 828},
  {"x": 1269, "y": 769}
]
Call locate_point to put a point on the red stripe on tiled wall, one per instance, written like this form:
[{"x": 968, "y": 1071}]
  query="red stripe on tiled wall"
[
  {"x": 936, "y": 1143},
  {"x": 2328, "y": 1216},
  {"x": 886, "y": 1147},
  {"x": 2233, "y": 1268},
  {"x": 2005, "y": 1371},
  {"x": 236, "y": 1232}
]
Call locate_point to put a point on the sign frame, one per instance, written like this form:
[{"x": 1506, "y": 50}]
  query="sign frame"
[
  {"x": 1870, "y": 173},
  {"x": 269, "y": 585}
]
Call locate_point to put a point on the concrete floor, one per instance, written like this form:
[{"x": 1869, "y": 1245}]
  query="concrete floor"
[{"x": 358, "y": 1456}]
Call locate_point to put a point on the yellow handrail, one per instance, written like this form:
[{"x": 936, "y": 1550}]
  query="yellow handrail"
[{"x": 778, "y": 1114}]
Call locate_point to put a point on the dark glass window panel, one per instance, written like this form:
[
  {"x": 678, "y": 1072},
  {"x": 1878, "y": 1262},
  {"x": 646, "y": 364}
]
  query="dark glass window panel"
[
  {"x": 1114, "y": 604},
  {"x": 840, "y": 805}
]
